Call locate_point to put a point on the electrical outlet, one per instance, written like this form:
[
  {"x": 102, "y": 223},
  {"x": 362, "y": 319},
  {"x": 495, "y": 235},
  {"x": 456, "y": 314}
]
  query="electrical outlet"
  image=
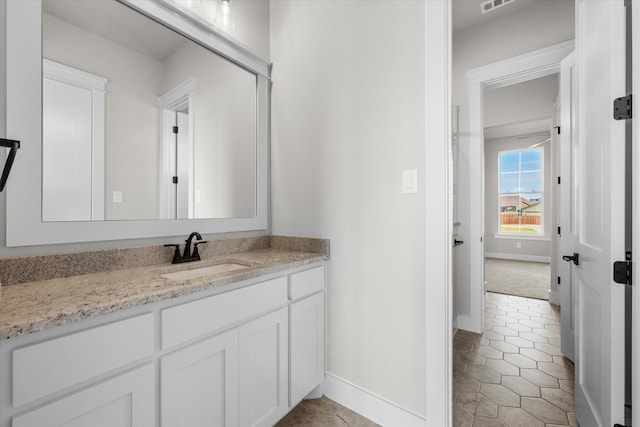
[{"x": 518, "y": 245}]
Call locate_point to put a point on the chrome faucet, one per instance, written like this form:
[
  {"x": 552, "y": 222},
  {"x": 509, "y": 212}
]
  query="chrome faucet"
[{"x": 187, "y": 255}]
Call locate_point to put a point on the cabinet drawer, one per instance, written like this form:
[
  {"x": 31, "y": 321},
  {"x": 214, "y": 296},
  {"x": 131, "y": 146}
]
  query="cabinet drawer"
[
  {"x": 50, "y": 366},
  {"x": 306, "y": 283},
  {"x": 125, "y": 400},
  {"x": 195, "y": 319}
]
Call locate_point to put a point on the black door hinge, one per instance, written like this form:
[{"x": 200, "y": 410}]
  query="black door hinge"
[
  {"x": 175, "y": 179},
  {"x": 175, "y": 129},
  {"x": 559, "y": 233},
  {"x": 557, "y": 128},
  {"x": 622, "y": 108},
  {"x": 622, "y": 270},
  {"x": 558, "y": 180}
]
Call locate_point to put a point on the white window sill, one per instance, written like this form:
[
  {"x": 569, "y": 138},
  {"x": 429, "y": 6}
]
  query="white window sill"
[{"x": 514, "y": 236}]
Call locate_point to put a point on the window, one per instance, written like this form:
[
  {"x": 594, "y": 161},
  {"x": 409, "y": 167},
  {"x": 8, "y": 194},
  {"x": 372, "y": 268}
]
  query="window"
[{"x": 521, "y": 195}]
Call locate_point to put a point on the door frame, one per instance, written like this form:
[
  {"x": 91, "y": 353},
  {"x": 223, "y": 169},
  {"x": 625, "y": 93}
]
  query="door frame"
[
  {"x": 174, "y": 100},
  {"x": 635, "y": 351},
  {"x": 518, "y": 69}
]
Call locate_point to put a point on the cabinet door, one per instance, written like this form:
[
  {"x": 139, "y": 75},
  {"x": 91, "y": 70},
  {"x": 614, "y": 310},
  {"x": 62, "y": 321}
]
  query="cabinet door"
[
  {"x": 200, "y": 384},
  {"x": 264, "y": 370},
  {"x": 126, "y": 400},
  {"x": 307, "y": 346}
]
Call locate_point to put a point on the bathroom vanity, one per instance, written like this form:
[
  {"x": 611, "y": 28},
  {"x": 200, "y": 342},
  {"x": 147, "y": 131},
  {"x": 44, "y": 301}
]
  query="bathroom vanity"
[{"x": 144, "y": 346}]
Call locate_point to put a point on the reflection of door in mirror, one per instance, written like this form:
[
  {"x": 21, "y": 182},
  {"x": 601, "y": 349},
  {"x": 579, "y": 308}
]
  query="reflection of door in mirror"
[
  {"x": 72, "y": 144},
  {"x": 176, "y": 152}
]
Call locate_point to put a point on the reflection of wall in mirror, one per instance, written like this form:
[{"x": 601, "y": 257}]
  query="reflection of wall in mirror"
[
  {"x": 131, "y": 122},
  {"x": 225, "y": 131}
]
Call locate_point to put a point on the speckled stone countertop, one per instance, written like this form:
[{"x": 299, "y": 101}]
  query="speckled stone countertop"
[{"x": 33, "y": 306}]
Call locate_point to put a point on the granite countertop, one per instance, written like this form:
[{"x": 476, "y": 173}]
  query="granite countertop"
[{"x": 38, "y": 305}]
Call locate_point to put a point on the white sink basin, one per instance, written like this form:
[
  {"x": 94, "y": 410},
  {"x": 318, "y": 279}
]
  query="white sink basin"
[{"x": 203, "y": 271}]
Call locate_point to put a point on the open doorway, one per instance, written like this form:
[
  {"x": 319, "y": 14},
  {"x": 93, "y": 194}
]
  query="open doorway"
[
  {"x": 508, "y": 364},
  {"x": 519, "y": 166}
]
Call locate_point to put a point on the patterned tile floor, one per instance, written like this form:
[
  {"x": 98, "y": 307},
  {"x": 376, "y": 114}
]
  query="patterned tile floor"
[
  {"x": 325, "y": 413},
  {"x": 514, "y": 374}
]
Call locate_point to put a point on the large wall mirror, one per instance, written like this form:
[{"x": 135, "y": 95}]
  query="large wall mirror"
[{"x": 136, "y": 119}]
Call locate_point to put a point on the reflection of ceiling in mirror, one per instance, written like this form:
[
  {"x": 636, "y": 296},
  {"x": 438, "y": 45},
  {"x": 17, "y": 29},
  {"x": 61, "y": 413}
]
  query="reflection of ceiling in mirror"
[{"x": 112, "y": 20}]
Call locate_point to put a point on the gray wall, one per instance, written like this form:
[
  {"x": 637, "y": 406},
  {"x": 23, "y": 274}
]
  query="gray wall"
[{"x": 539, "y": 25}]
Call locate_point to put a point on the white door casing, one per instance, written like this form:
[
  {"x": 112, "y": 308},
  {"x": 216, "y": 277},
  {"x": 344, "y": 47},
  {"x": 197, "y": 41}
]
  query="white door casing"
[
  {"x": 599, "y": 214},
  {"x": 636, "y": 208},
  {"x": 566, "y": 203}
]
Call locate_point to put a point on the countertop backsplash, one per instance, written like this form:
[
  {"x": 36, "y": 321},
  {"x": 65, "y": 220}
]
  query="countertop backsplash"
[{"x": 45, "y": 267}]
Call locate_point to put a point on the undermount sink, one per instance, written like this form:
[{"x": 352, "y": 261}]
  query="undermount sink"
[{"x": 209, "y": 270}]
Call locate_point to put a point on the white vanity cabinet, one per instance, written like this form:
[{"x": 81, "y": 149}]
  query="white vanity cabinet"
[
  {"x": 306, "y": 319},
  {"x": 126, "y": 400},
  {"x": 264, "y": 374},
  {"x": 100, "y": 376},
  {"x": 199, "y": 385},
  {"x": 237, "y": 358}
]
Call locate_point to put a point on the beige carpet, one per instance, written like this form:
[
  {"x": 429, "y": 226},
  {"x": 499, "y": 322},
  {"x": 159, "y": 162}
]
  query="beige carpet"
[{"x": 521, "y": 278}]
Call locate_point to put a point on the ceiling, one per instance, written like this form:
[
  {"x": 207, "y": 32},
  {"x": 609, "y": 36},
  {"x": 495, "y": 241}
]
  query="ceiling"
[
  {"x": 467, "y": 13},
  {"x": 118, "y": 23}
]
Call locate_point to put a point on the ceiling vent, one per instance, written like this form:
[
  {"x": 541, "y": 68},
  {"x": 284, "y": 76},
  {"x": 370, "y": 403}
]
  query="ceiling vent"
[{"x": 491, "y": 5}]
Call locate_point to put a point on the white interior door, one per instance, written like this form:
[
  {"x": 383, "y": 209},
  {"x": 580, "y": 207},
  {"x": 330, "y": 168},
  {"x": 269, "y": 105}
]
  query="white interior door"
[
  {"x": 599, "y": 215},
  {"x": 566, "y": 203},
  {"x": 66, "y": 152}
]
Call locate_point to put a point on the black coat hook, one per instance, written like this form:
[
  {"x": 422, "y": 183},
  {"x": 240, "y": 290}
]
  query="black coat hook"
[{"x": 14, "y": 145}]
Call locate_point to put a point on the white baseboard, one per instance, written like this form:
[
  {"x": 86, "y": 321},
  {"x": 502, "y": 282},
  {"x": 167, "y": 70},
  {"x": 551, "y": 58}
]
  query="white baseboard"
[
  {"x": 518, "y": 257},
  {"x": 455, "y": 326},
  {"x": 554, "y": 297},
  {"x": 464, "y": 323},
  {"x": 369, "y": 405}
]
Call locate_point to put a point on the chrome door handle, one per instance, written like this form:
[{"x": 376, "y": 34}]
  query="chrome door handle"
[{"x": 575, "y": 258}]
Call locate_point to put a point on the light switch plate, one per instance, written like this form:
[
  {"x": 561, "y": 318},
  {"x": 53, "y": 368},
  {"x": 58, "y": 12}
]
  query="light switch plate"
[
  {"x": 409, "y": 181},
  {"x": 117, "y": 197}
]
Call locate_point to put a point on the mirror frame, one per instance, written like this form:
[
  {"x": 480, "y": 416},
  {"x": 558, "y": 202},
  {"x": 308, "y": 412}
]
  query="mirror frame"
[{"x": 24, "y": 122}]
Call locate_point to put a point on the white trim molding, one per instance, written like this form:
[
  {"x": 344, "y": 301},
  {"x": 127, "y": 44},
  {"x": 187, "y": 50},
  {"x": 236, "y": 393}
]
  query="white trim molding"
[
  {"x": 464, "y": 322},
  {"x": 439, "y": 215},
  {"x": 369, "y": 405}
]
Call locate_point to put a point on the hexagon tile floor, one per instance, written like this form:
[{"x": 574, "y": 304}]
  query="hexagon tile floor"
[
  {"x": 323, "y": 412},
  {"x": 514, "y": 374}
]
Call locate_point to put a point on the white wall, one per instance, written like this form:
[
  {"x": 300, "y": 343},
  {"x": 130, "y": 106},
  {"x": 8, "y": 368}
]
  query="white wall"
[
  {"x": 523, "y": 102},
  {"x": 539, "y": 25},
  {"x": 348, "y": 113}
]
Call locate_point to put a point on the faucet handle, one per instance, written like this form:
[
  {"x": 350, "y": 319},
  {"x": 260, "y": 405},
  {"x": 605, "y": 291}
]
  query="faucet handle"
[
  {"x": 176, "y": 253},
  {"x": 195, "y": 253}
]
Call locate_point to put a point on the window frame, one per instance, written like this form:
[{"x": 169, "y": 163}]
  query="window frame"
[{"x": 518, "y": 234}]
